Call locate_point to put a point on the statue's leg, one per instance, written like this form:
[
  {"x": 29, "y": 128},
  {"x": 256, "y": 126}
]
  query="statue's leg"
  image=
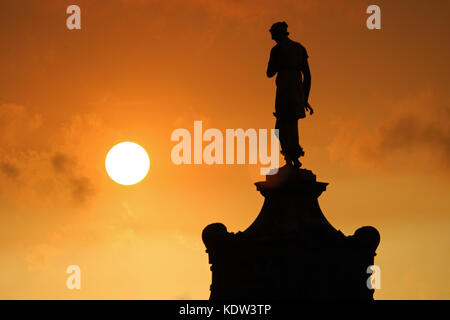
[
  {"x": 296, "y": 145},
  {"x": 293, "y": 146},
  {"x": 283, "y": 135},
  {"x": 298, "y": 149}
]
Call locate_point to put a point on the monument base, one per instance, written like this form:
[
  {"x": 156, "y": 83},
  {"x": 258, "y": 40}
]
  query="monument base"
[{"x": 290, "y": 251}]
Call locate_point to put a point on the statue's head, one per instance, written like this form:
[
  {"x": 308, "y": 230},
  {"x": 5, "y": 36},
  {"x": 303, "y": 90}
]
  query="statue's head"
[{"x": 279, "y": 30}]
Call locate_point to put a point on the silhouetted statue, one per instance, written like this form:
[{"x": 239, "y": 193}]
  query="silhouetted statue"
[
  {"x": 290, "y": 251},
  {"x": 289, "y": 61}
]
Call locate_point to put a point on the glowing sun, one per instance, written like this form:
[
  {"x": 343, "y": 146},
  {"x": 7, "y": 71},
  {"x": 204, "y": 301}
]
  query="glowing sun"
[{"x": 127, "y": 163}]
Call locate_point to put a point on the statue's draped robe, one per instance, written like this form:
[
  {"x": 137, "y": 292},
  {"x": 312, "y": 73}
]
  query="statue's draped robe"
[{"x": 288, "y": 59}]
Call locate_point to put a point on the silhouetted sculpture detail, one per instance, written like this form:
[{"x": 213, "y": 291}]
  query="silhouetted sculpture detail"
[
  {"x": 289, "y": 61},
  {"x": 290, "y": 251}
]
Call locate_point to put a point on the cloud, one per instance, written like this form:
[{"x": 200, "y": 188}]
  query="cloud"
[
  {"x": 242, "y": 9},
  {"x": 39, "y": 256},
  {"x": 9, "y": 169},
  {"x": 40, "y": 166},
  {"x": 415, "y": 135},
  {"x": 62, "y": 163},
  {"x": 19, "y": 126},
  {"x": 81, "y": 188},
  {"x": 51, "y": 183}
]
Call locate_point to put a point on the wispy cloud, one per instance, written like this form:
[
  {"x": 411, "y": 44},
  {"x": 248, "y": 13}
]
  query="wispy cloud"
[
  {"x": 414, "y": 136},
  {"x": 34, "y": 164}
]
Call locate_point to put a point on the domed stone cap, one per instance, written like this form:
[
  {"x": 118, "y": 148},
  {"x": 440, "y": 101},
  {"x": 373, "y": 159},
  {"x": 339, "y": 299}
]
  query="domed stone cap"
[
  {"x": 368, "y": 237},
  {"x": 214, "y": 233}
]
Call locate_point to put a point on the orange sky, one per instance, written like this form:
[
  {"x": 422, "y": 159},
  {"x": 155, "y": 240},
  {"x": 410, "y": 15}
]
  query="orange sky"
[{"x": 139, "y": 69}]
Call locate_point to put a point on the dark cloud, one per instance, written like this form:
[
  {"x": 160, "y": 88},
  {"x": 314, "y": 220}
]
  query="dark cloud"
[
  {"x": 35, "y": 162},
  {"x": 81, "y": 189},
  {"x": 61, "y": 163},
  {"x": 9, "y": 169},
  {"x": 416, "y": 134}
]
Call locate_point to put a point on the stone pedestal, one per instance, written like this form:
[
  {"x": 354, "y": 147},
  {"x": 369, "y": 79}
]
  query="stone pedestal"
[{"x": 290, "y": 251}]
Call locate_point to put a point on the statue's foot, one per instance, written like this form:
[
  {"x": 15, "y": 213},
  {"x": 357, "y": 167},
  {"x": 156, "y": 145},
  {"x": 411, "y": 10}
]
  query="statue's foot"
[
  {"x": 302, "y": 153},
  {"x": 289, "y": 163}
]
